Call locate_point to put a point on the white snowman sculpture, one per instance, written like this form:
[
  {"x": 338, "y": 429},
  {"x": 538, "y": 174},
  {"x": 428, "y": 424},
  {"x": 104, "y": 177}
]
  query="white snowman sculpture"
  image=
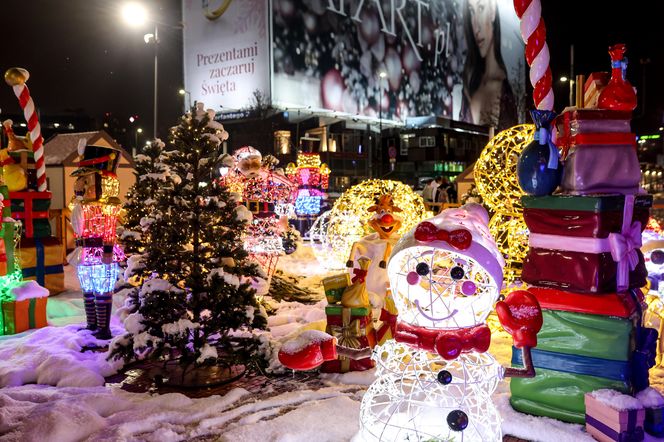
[{"x": 434, "y": 380}]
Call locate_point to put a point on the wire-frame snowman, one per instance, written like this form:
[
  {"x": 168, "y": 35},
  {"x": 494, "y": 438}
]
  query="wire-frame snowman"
[{"x": 434, "y": 380}]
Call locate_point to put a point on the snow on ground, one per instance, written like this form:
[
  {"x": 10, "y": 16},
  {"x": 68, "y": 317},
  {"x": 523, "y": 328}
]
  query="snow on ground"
[
  {"x": 36, "y": 412},
  {"x": 76, "y": 405}
]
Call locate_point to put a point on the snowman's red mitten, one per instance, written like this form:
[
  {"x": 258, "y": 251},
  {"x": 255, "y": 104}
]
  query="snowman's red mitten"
[
  {"x": 309, "y": 350},
  {"x": 521, "y": 316}
]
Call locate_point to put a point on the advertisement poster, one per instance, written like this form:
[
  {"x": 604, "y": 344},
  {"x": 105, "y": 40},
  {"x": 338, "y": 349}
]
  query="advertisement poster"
[
  {"x": 226, "y": 51},
  {"x": 462, "y": 59}
]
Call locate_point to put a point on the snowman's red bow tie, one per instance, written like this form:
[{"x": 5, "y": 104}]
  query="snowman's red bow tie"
[
  {"x": 460, "y": 239},
  {"x": 449, "y": 344}
]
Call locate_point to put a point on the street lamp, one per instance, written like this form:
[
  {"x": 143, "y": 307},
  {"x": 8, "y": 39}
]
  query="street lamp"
[
  {"x": 382, "y": 76},
  {"x": 135, "y": 148},
  {"x": 564, "y": 79},
  {"x": 187, "y": 95},
  {"x": 136, "y": 15}
]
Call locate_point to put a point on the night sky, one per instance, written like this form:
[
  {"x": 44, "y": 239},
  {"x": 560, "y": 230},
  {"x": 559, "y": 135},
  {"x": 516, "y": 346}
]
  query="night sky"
[{"x": 82, "y": 58}]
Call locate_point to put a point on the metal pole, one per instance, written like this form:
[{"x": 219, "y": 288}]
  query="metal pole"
[
  {"x": 571, "y": 75},
  {"x": 380, "y": 130},
  {"x": 156, "y": 51}
]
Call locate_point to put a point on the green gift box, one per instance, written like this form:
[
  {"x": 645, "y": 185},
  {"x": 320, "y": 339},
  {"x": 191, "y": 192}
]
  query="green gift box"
[
  {"x": 595, "y": 336},
  {"x": 338, "y": 309},
  {"x": 334, "y": 287},
  {"x": 558, "y": 394},
  {"x": 6, "y": 207}
]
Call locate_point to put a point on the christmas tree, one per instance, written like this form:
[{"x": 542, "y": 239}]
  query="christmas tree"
[
  {"x": 150, "y": 174},
  {"x": 196, "y": 303}
]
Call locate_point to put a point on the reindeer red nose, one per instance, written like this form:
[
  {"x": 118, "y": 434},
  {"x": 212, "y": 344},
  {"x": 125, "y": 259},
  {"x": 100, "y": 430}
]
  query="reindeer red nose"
[{"x": 387, "y": 219}]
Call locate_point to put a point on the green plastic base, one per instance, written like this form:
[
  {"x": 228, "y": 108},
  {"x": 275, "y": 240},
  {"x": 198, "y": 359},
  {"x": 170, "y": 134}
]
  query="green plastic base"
[{"x": 558, "y": 395}]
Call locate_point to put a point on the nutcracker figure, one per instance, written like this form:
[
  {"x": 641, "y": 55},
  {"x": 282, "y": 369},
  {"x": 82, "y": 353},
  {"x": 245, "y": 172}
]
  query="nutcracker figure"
[{"x": 95, "y": 209}]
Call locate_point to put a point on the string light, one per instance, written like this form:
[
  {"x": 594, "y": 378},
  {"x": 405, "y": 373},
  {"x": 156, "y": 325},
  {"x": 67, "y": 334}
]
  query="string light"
[
  {"x": 347, "y": 221},
  {"x": 417, "y": 394},
  {"x": 498, "y": 184},
  {"x": 329, "y": 245},
  {"x": 312, "y": 178}
]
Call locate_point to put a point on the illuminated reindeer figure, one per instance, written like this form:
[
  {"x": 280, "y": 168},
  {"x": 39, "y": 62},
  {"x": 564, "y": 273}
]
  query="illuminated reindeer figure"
[{"x": 378, "y": 246}]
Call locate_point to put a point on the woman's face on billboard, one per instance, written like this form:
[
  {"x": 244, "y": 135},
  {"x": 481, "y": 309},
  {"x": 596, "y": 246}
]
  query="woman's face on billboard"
[{"x": 482, "y": 14}]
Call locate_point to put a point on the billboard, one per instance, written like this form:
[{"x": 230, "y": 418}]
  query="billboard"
[
  {"x": 226, "y": 51},
  {"x": 462, "y": 59}
]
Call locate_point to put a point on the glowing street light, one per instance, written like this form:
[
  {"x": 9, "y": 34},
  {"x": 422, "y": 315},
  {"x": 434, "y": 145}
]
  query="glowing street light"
[
  {"x": 136, "y": 15},
  {"x": 186, "y": 94}
]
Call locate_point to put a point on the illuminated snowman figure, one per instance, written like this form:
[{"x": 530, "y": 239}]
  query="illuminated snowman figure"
[{"x": 434, "y": 380}]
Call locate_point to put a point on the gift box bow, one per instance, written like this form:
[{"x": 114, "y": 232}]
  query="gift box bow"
[
  {"x": 644, "y": 357},
  {"x": 389, "y": 323},
  {"x": 624, "y": 245},
  {"x": 348, "y": 334}
]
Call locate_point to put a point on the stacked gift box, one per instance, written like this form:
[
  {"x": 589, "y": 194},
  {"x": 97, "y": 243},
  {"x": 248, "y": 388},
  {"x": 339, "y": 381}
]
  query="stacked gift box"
[
  {"x": 351, "y": 325},
  {"x": 41, "y": 254},
  {"x": 585, "y": 268},
  {"x": 611, "y": 416},
  {"x": 23, "y": 307}
]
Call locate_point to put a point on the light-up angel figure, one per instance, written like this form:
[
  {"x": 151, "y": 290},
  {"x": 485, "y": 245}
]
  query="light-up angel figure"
[
  {"x": 267, "y": 193},
  {"x": 435, "y": 378},
  {"x": 95, "y": 210}
]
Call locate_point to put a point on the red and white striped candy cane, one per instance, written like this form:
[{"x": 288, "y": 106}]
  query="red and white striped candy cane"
[
  {"x": 533, "y": 33},
  {"x": 16, "y": 78}
]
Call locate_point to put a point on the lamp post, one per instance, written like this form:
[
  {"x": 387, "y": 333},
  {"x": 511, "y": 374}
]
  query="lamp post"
[
  {"x": 187, "y": 95},
  {"x": 136, "y": 15},
  {"x": 381, "y": 76},
  {"x": 564, "y": 79},
  {"x": 135, "y": 149}
]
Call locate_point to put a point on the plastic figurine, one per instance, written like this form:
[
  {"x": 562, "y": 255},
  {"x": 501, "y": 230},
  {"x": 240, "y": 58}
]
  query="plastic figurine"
[
  {"x": 435, "y": 378},
  {"x": 95, "y": 210}
]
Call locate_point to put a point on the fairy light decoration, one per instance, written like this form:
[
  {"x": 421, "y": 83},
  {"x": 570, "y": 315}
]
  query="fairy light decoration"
[
  {"x": 434, "y": 377},
  {"x": 498, "y": 184},
  {"x": 349, "y": 218},
  {"x": 95, "y": 212},
  {"x": 268, "y": 194},
  {"x": 329, "y": 237}
]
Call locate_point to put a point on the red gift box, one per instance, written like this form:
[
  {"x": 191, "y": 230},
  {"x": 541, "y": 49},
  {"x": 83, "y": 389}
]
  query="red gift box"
[
  {"x": 578, "y": 271},
  {"x": 29, "y": 202},
  {"x": 593, "y": 87},
  {"x": 621, "y": 305},
  {"x": 582, "y": 216},
  {"x": 353, "y": 328}
]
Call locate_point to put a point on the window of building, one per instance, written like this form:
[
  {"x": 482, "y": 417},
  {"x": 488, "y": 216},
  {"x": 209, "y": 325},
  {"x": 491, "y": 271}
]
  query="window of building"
[{"x": 282, "y": 142}]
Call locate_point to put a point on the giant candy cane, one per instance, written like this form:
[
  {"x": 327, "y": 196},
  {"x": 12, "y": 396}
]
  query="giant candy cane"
[
  {"x": 533, "y": 33},
  {"x": 16, "y": 78}
]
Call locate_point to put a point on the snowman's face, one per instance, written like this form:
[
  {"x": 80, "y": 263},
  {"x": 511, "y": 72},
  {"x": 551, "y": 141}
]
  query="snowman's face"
[{"x": 437, "y": 288}]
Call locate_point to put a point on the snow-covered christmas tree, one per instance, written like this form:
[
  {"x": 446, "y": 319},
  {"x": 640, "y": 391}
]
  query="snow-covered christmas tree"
[
  {"x": 140, "y": 200},
  {"x": 196, "y": 303}
]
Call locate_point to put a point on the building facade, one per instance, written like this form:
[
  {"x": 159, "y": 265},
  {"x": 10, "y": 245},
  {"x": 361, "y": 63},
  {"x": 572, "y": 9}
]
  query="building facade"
[{"x": 404, "y": 91}]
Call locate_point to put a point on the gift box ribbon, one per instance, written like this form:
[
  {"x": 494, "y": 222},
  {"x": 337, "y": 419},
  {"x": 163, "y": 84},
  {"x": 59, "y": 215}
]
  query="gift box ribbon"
[
  {"x": 631, "y": 435},
  {"x": 389, "y": 324},
  {"x": 28, "y": 214},
  {"x": 40, "y": 270},
  {"x": 575, "y": 364},
  {"x": 644, "y": 356},
  {"x": 622, "y": 246}
]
